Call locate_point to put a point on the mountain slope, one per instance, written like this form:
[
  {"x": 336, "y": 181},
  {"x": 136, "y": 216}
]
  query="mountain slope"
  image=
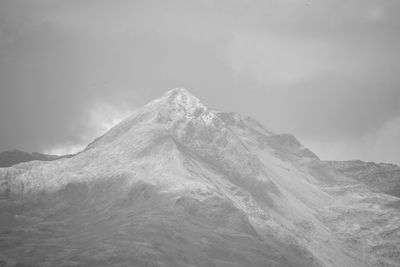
[
  {"x": 179, "y": 184},
  {"x": 380, "y": 177}
]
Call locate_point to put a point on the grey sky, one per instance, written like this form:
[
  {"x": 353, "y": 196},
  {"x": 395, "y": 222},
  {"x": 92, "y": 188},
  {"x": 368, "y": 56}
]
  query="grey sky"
[{"x": 326, "y": 71}]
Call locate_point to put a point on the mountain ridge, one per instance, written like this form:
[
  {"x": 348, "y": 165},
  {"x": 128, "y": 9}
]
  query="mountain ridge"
[
  {"x": 183, "y": 173},
  {"x": 380, "y": 177}
]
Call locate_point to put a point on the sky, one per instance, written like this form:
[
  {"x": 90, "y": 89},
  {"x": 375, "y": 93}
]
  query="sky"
[{"x": 327, "y": 71}]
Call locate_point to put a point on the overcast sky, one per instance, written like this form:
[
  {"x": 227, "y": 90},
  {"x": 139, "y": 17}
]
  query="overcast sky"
[{"x": 326, "y": 71}]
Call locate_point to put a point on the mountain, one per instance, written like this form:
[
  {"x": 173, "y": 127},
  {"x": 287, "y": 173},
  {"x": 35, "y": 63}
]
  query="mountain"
[
  {"x": 12, "y": 157},
  {"x": 180, "y": 184},
  {"x": 380, "y": 177}
]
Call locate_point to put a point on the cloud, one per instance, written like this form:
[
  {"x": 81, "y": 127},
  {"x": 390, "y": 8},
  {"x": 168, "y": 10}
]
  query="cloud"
[
  {"x": 64, "y": 149},
  {"x": 376, "y": 13},
  {"x": 98, "y": 119},
  {"x": 278, "y": 60}
]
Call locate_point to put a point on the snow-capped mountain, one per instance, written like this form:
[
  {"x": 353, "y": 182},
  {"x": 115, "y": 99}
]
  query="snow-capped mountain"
[{"x": 180, "y": 184}]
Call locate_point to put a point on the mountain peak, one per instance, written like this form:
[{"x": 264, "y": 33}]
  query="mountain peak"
[
  {"x": 198, "y": 174},
  {"x": 180, "y": 97},
  {"x": 179, "y": 91}
]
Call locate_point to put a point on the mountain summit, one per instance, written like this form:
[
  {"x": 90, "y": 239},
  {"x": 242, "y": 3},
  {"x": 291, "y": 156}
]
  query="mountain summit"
[
  {"x": 180, "y": 184},
  {"x": 180, "y": 97}
]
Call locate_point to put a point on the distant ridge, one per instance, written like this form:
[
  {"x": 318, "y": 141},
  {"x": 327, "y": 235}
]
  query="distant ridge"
[
  {"x": 11, "y": 157},
  {"x": 379, "y": 177}
]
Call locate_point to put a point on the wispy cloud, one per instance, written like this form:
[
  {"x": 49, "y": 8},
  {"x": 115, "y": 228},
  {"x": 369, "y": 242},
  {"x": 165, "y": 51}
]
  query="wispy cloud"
[{"x": 99, "y": 118}]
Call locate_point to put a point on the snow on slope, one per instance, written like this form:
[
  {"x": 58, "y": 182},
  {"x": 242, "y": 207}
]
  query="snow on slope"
[{"x": 219, "y": 173}]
